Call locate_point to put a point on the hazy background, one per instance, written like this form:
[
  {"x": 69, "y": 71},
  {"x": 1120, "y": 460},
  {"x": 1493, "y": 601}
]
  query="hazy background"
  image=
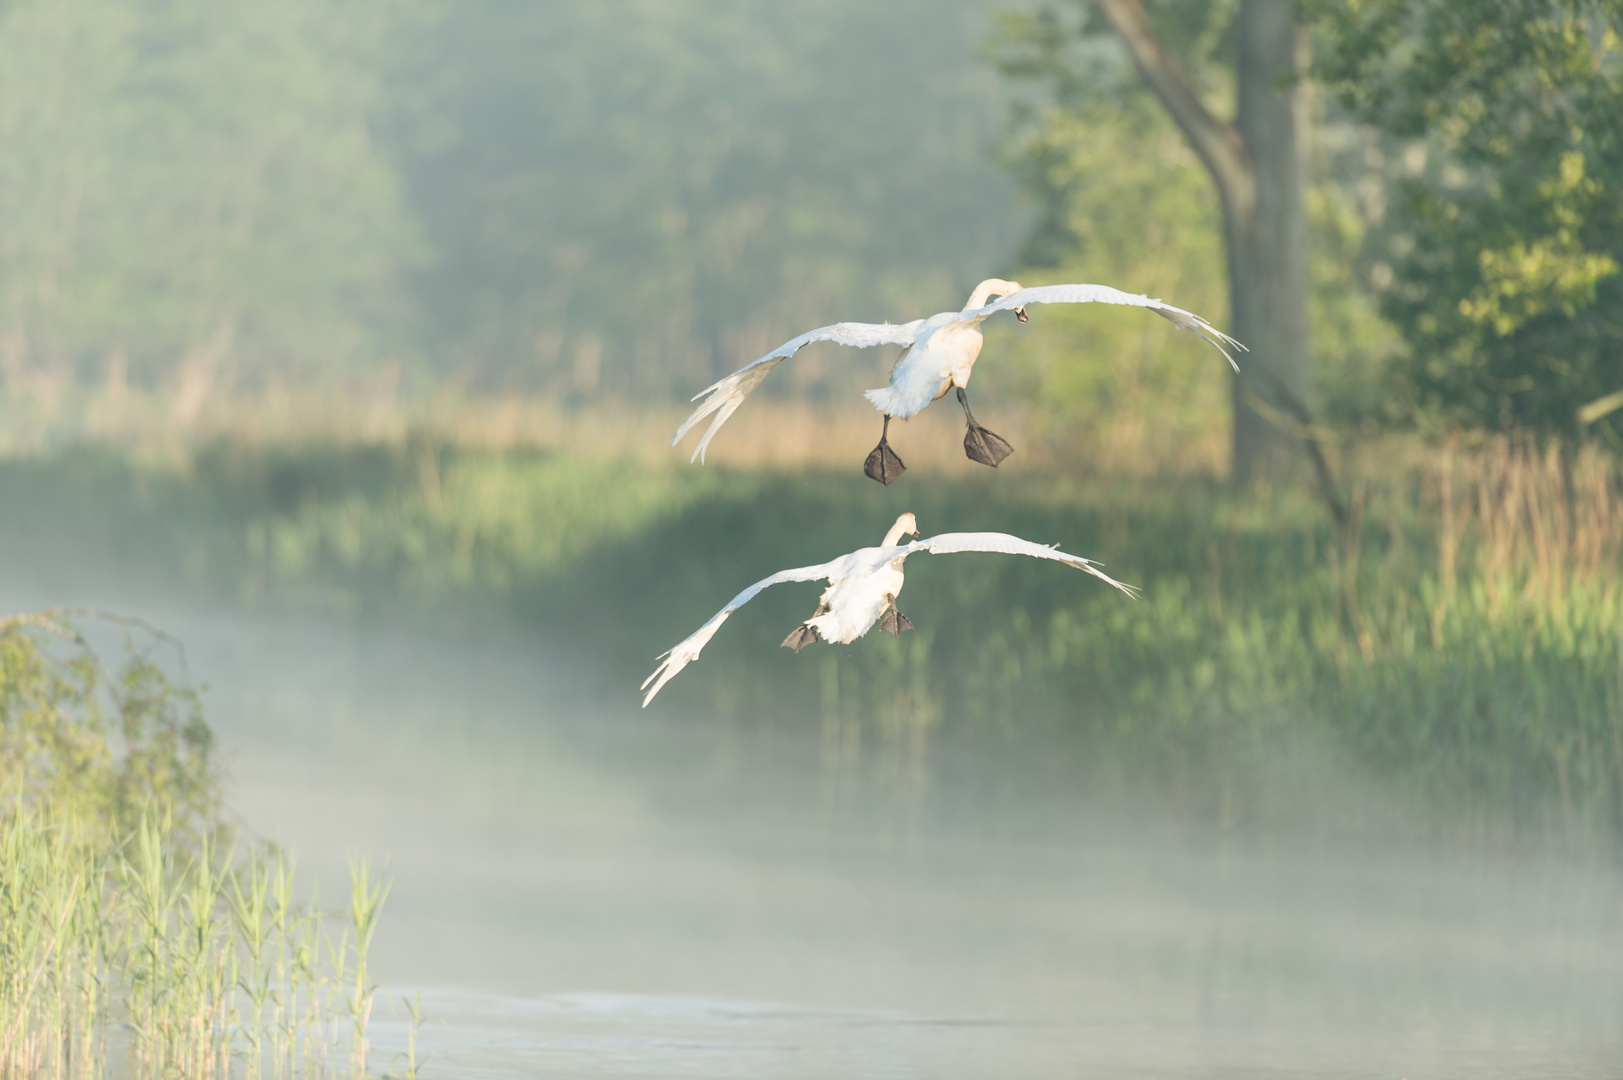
[
  {"x": 343, "y": 343},
  {"x": 545, "y": 198}
]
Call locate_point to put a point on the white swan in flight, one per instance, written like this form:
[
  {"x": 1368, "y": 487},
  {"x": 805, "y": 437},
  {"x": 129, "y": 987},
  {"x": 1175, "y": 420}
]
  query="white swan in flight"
[
  {"x": 862, "y": 590},
  {"x": 939, "y": 354}
]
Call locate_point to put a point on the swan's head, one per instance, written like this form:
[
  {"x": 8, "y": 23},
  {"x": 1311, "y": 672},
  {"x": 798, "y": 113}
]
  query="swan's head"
[
  {"x": 1014, "y": 286},
  {"x": 904, "y": 524},
  {"x": 994, "y": 287}
]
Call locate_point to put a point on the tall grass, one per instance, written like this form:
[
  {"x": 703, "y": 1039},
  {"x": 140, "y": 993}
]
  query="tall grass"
[
  {"x": 1458, "y": 636},
  {"x": 191, "y": 964},
  {"x": 1464, "y": 633},
  {"x": 127, "y": 924}
]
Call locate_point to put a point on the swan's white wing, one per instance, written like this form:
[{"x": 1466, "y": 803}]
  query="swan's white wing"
[
  {"x": 948, "y": 543},
  {"x": 1104, "y": 294},
  {"x": 687, "y": 651},
  {"x": 724, "y": 397}
]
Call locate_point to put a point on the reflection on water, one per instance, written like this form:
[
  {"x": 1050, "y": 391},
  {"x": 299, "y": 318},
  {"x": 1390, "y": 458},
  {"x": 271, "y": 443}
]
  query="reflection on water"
[{"x": 583, "y": 889}]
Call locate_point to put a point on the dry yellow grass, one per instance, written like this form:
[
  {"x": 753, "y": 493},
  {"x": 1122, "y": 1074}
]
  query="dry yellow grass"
[{"x": 767, "y": 433}]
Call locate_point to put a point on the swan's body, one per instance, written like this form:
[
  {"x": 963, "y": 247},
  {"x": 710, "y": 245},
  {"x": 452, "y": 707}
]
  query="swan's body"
[
  {"x": 862, "y": 591},
  {"x": 939, "y": 354},
  {"x": 942, "y": 355}
]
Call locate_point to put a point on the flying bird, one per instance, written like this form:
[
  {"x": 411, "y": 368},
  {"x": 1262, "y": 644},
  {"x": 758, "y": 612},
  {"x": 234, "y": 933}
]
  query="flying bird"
[
  {"x": 862, "y": 591},
  {"x": 938, "y": 355}
]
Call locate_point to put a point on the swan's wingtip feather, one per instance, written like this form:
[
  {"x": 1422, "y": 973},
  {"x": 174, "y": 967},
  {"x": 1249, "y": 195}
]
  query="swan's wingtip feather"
[{"x": 652, "y": 675}]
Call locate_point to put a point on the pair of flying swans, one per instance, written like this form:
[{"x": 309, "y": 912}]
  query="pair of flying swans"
[
  {"x": 862, "y": 591},
  {"x": 938, "y": 355}
]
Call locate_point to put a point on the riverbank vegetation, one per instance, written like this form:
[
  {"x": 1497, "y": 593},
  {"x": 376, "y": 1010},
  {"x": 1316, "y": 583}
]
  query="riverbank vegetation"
[
  {"x": 130, "y": 923},
  {"x": 1458, "y": 635}
]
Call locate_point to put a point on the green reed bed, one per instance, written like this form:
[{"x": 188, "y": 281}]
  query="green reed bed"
[
  {"x": 1461, "y": 638},
  {"x": 129, "y": 928},
  {"x": 190, "y": 965},
  {"x": 1457, "y": 636}
]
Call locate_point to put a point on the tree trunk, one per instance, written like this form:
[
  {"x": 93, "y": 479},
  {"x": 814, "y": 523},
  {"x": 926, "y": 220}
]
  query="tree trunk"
[
  {"x": 1257, "y": 166},
  {"x": 1267, "y": 248}
]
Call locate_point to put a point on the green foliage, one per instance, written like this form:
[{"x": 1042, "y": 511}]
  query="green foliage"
[
  {"x": 485, "y": 524},
  {"x": 99, "y": 749},
  {"x": 618, "y": 197},
  {"x": 632, "y": 194},
  {"x": 1507, "y": 241},
  {"x": 119, "y": 907},
  {"x": 161, "y": 949},
  {"x": 190, "y": 190},
  {"x": 1459, "y": 640},
  {"x": 1430, "y": 646},
  {"x": 1122, "y": 199}
]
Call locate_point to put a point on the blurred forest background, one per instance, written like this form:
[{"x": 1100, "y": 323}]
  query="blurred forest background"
[
  {"x": 204, "y": 201},
  {"x": 392, "y": 305},
  {"x": 403, "y": 200}
]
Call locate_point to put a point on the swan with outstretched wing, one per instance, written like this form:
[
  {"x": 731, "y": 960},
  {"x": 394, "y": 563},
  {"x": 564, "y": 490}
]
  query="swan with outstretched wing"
[
  {"x": 862, "y": 591},
  {"x": 939, "y": 354}
]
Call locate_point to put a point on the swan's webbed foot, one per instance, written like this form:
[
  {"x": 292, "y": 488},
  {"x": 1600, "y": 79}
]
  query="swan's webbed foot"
[
  {"x": 894, "y": 622},
  {"x": 883, "y": 465},
  {"x": 982, "y": 445},
  {"x": 800, "y": 637}
]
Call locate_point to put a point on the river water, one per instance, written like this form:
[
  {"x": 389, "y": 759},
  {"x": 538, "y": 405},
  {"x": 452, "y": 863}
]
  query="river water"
[{"x": 585, "y": 889}]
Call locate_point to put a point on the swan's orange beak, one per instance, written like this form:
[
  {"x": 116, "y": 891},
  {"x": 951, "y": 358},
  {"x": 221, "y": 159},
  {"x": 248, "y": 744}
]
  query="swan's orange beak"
[{"x": 1020, "y": 313}]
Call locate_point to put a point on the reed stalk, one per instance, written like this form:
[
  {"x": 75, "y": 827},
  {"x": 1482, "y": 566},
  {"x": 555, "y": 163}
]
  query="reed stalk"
[{"x": 182, "y": 947}]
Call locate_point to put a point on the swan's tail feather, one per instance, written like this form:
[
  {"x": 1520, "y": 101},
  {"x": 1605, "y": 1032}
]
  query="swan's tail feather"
[
  {"x": 884, "y": 399},
  {"x": 904, "y": 399}
]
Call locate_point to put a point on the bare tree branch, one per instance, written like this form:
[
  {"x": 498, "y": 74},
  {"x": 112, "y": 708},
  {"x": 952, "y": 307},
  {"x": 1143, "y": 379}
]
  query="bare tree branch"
[{"x": 1218, "y": 143}]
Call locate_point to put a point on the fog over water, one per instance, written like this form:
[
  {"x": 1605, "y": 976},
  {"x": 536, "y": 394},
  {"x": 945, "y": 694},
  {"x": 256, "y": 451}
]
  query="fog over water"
[
  {"x": 437, "y": 274},
  {"x": 582, "y": 888}
]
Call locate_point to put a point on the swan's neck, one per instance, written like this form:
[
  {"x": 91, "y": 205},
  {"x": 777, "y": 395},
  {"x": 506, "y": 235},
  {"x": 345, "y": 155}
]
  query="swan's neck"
[
  {"x": 987, "y": 289},
  {"x": 894, "y": 535}
]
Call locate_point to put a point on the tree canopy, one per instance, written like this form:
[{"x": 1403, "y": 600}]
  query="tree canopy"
[
  {"x": 627, "y": 197},
  {"x": 194, "y": 184},
  {"x": 621, "y": 196},
  {"x": 1501, "y": 258},
  {"x": 1122, "y": 198}
]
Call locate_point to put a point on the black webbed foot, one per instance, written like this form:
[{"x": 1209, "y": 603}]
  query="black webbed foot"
[
  {"x": 800, "y": 637},
  {"x": 883, "y": 465},
  {"x": 981, "y": 445},
  {"x": 984, "y": 446},
  {"x": 894, "y": 622}
]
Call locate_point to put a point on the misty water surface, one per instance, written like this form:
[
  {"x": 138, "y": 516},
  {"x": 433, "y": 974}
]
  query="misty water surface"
[{"x": 584, "y": 889}]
